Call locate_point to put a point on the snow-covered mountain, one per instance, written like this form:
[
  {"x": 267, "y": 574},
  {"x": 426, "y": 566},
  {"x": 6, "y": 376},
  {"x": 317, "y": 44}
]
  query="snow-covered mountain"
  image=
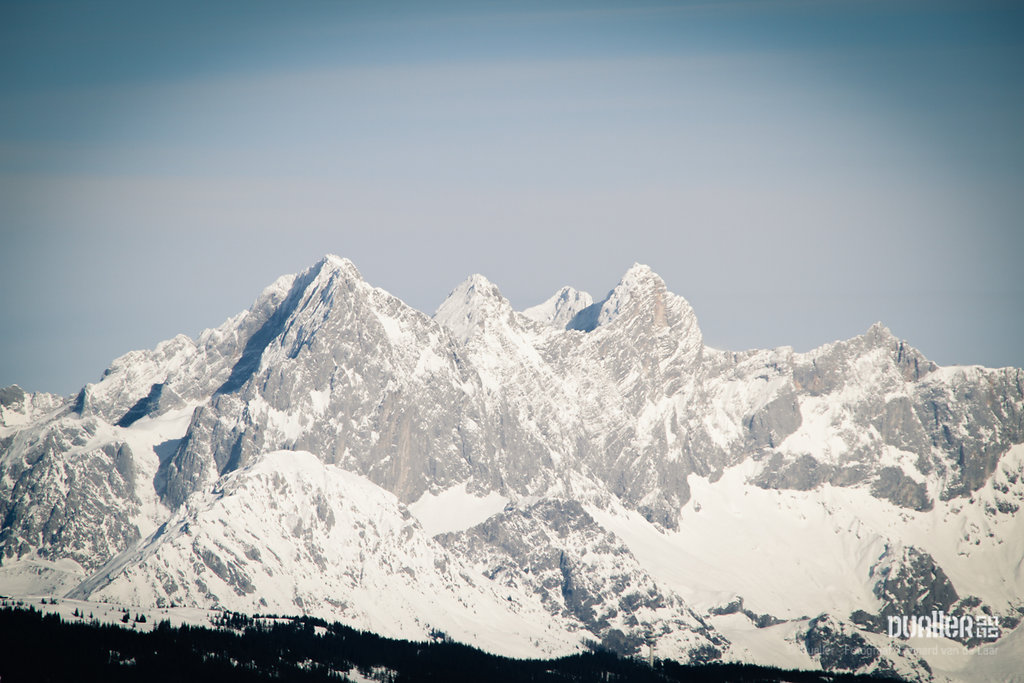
[{"x": 532, "y": 482}]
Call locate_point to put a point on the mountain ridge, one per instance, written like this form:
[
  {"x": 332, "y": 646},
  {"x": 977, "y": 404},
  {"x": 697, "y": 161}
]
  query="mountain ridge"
[{"x": 615, "y": 405}]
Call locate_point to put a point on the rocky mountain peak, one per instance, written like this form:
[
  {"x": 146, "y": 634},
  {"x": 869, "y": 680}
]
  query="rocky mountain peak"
[
  {"x": 560, "y": 308},
  {"x": 641, "y": 301},
  {"x": 878, "y": 335},
  {"x": 639, "y": 273},
  {"x": 470, "y": 305},
  {"x": 476, "y": 286},
  {"x": 911, "y": 363},
  {"x": 639, "y": 289},
  {"x": 340, "y": 264},
  {"x": 11, "y": 395},
  {"x": 326, "y": 278}
]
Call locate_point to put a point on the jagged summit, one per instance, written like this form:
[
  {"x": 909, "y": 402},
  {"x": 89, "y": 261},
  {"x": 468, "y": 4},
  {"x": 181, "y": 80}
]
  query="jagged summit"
[
  {"x": 643, "y": 302},
  {"x": 879, "y": 328},
  {"x": 560, "y": 308},
  {"x": 640, "y": 288},
  {"x": 475, "y": 285},
  {"x": 470, "y": 305},
  {"x": 638, "y": 306},
  {"x": 340, "y": 262},
  {"x": 639, "y": 272},
  {"x": 639, "y": 280},
  {"x": 332, "y": 271},
  {"x": 11, "y": 394}
]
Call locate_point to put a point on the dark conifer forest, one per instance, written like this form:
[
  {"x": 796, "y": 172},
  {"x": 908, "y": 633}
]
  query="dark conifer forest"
[{"x": 43, "y": 647}]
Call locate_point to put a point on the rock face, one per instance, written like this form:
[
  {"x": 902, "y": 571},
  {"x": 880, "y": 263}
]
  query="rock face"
[
  {"x": 909, "y": 580},
  {"x": 575, "y": 412},
  {"x": 68, "y": 496},
  {"x": 840, "y": 648},
  {"x": 555, "y": 550}
]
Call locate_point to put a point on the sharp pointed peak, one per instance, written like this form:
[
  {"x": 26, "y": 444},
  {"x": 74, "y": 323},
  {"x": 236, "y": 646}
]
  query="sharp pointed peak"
[
  {"x": 879, "y": 334},
  {"x": 12, "y": 394},
  {"x": 879, "y": 328},
  {"x": 566, "y": 293},
  {"x": 639, "y": 275},
  {"x": 478, "y": 280},
  {"x": 640, "y": 269},
  {"x": 476, "y": 286},
  {"x": 333, "y": 262},
  {"x": 472, "y": 302},
  {"x": 640, "y": 292},
  {"x": 560, "y": 308}
]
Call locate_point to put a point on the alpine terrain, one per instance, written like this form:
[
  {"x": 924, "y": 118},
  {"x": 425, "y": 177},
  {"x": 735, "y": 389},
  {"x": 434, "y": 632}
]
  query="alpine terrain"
[{"x": 579, "y": 474}]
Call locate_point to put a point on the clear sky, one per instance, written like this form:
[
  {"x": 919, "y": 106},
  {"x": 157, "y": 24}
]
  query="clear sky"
[{"x": 796, "y": 169}]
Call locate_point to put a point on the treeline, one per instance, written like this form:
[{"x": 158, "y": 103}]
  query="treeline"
[{"x": 43, "y": 647}]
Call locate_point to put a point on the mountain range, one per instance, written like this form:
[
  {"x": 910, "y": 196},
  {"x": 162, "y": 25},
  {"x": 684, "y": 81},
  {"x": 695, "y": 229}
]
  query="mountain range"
[{"x": 579, "y": 474}]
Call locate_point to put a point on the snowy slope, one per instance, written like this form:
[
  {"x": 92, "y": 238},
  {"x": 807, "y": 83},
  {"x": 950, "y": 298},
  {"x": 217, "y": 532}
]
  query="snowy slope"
[{"x": 290, "y": 534}]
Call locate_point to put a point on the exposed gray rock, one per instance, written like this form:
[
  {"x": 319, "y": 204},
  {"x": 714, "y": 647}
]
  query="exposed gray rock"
[
  {"x": 12, "y": 395},
  {"x": 19, "y": 407},
  {"x": 144, "y": 406},
  {"x": 61, "y": 499},
  {"x": 972, "y": 418},
  {"x": 895, "y": 486},
  {"x": 189, "y": 371},
  {"x": 910, "y": 582},
  {"x": 802, "y": 474},
  {"x": 775, "y": 420},
  {"x": 579, "y": 570},
  {"x": 736, "y": 606},
  {"x": 839, "y": 647},
  {"x": 229, "y": 572},
  {"x": 899, "y": 426},
  {"x": 357, "y": 350}
]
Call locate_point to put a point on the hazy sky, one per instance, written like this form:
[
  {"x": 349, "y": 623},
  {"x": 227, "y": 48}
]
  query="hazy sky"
[{"x": 796, "y": 170}]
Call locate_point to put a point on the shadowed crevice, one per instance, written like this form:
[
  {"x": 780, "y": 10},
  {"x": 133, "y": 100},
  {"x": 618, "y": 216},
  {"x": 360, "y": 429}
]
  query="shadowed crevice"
[
  {"x": 250, "y": 360},
  {"x": 143, "y": 407},
  {"x": 586, "y": 319}
]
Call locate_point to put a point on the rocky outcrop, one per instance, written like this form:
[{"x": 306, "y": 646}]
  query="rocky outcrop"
[
  {"x": 63, "y": 497},
  {"x": 839, "y": 647},
  {"x": 555, "y": 550}
]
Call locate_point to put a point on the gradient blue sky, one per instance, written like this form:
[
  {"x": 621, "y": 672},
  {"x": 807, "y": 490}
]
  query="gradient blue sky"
[{"x": 797, "y": 170}]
